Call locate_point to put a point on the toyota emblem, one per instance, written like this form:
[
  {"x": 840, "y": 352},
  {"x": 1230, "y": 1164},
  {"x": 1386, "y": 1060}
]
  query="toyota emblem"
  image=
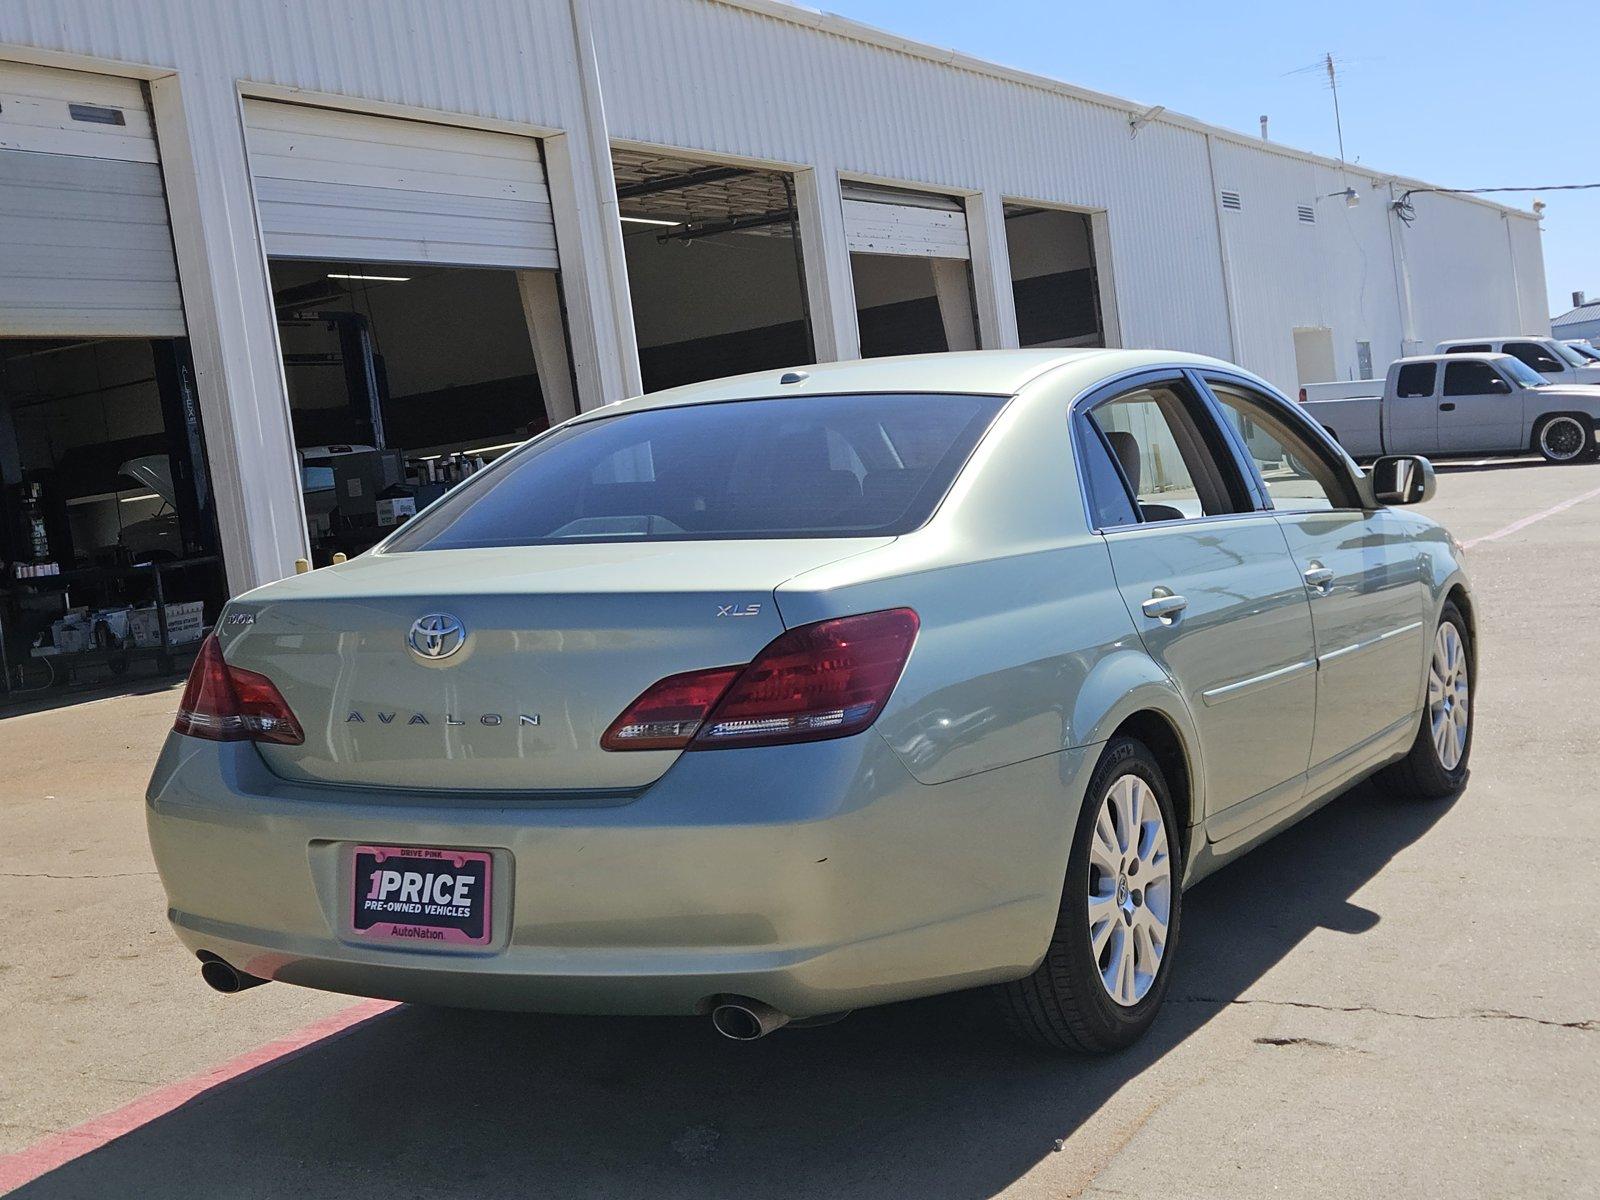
[{"x": 436, "y": 636}]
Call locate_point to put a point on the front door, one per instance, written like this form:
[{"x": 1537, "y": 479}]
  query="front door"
[
  {"x": 1479, "y": 411},
  {"x": 1367, "y": 586},
  {"x": 1216, "y": 598}
]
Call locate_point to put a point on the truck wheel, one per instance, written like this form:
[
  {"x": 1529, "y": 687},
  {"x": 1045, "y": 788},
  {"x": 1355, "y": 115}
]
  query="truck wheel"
[
  {"x": 1563, "y": 438},
  {"x": 1106, "y": 970}
]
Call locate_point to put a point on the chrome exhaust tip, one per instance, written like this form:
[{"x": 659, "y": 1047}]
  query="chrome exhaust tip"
[
  {"x": 221, "y": 977},
  {"x": 744, "y": 1020}
]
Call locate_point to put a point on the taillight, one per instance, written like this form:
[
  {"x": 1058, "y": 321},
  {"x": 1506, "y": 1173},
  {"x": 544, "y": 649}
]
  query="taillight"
[
  {"x": 229, "y": 704},
  {"x": 669, "y": 712},
  {"x": 826, "y": 680}
]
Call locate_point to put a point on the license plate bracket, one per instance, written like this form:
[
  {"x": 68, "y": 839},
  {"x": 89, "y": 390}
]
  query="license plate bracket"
[{"x": 421, "y": 896}]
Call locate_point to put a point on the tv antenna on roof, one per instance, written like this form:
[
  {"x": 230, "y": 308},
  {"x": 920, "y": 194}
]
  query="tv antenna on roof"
[{"x": 1330, "y": 66}]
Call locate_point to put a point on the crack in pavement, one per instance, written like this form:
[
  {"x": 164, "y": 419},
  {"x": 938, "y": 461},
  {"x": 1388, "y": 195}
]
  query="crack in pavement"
[{"x": 1482, "y": 1014}]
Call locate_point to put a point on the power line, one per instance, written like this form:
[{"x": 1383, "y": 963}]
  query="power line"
[{"x": 1404, "y": 210}]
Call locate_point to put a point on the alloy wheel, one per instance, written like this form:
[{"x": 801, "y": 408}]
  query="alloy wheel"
[
  {"x": 1130, "y": 889},
  {"x": 1561, "y": 439},
  {"x": 1449, "y": 711}
]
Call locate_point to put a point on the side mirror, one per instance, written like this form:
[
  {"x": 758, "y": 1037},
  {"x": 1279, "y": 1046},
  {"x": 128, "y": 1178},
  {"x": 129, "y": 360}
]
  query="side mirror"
[
  {"x": 1402, "y": 479},
  {"x": 1499, "y": 387}
]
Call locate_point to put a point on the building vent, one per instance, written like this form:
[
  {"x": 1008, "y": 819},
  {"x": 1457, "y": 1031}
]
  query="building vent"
[
  {"x": 1308, "y": 215},
  {"x": 1232, "y": 201}
]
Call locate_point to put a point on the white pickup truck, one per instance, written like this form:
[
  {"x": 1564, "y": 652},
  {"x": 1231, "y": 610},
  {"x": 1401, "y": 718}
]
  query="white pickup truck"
[
  {"x": 1552, "y": 358},
  {"x": 1463, "y": 403}
]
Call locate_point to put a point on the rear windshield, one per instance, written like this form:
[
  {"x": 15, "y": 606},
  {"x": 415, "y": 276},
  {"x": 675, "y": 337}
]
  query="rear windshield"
[{"x": 812, "y": 466}]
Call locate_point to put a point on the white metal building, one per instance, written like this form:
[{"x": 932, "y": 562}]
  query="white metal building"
[
  {"x": 1582, "y": 320},
  {"x": 434, "y": 226}
]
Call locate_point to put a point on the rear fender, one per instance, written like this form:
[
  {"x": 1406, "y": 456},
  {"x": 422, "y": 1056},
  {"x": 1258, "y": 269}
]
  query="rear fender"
[{"x": 1129, "y": 682}]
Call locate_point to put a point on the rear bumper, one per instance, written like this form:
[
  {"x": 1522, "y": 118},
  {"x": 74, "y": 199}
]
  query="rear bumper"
[{"x": 815, "y": 878}]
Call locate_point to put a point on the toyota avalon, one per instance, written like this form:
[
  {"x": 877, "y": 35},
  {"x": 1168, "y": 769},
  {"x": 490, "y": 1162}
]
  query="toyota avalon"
[{"x": 774, "y": 697}]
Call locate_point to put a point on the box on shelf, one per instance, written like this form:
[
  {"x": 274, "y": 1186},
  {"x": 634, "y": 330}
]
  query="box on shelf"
[
  {"x": 185, "y": 623},
  {"x": 72, "y": 635}
]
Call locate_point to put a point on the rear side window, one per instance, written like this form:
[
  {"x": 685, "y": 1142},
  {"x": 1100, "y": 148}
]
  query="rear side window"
[
  {"x": 813, "y": 466},
  {"x": 1415, "y": 379},
  {"x": 1109, "y": 500},
  {"x": 1156, "y": 436},
  {"x": 1469, "y": 348},
  {"x": 1472, "y": 379}
]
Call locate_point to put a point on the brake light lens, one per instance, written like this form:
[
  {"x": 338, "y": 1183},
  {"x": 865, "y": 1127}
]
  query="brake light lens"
[
  {"x": 826, "y": 680},
  {"x": 669, "y": 712},
  {"x": 229, "y": 704}
]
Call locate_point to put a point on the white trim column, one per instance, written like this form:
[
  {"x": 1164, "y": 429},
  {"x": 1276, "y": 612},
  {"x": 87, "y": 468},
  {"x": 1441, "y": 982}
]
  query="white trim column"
[
  {"x": 227, "y": 297},
  {"x": 541, "y": 308},
  {"x": 594, "y": 267},
  {"x": 954, "y": 294},
  {"x": 991, "y": 272},
  {"x": 830, "y": 288},
  {"x": 1105, "y": 278}
]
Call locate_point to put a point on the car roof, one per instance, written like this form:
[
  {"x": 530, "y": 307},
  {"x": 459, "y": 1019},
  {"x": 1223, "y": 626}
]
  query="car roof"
[
  {"x": 1499, "y": 337},
  {"x": 970, "y": 372},
  {"x": 1467, "y": 356}
]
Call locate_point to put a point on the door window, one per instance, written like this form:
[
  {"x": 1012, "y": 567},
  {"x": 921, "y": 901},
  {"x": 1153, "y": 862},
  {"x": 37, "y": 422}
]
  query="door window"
[
  {"x": 1161, "y": 449},
  {"x": 1473, "y": 379},
  {"x": 1536, "y": 356},
  {"x": 1470, "y": 348},
  {"x": 1298, "y": 475},
  {"x": 1415, "y": 379}
]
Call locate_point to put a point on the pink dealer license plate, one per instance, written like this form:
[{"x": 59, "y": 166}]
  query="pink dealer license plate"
[{"x": 403, "y": 893}]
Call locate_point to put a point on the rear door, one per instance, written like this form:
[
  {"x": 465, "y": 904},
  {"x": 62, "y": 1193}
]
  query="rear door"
[
  {"x": 1367, "y": 588},
  {"x": 1217, "y": 600},
  {"x": 1479, "y": 411},
  {"x": 1411, "y": 413}
]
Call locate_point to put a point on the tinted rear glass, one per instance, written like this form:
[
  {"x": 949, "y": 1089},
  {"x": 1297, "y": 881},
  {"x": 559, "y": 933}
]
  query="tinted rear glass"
[{"x": 814, "y": 466}]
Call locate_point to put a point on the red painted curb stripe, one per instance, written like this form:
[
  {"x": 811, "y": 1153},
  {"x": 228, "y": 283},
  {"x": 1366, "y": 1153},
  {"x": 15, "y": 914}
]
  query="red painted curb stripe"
[{"x": 28, "y": 1164}]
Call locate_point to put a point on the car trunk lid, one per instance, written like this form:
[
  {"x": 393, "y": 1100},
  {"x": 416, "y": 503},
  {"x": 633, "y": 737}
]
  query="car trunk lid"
[{"x": 556, "y": 642}]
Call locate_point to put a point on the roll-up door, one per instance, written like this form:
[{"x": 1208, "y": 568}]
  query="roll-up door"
[
  {"x": 85, "y": 246},
  {"x": 354, "y": 187},
  {"x": 881, "y": 220}
]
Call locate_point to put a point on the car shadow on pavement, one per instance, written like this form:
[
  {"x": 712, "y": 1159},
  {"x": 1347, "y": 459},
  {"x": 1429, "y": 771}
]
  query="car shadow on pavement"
[{"x": 927, "y": 1099}]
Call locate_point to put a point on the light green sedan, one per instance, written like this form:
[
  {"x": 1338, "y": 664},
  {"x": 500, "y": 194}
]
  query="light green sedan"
[{"x": 777, "y": 696}]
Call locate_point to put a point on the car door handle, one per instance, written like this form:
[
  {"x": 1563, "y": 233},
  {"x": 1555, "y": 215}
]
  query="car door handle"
[
  {"x": 1317, "y": 576},
  {"x": 1164, "y": 606},
  {"x": 1447, "y": 407}
]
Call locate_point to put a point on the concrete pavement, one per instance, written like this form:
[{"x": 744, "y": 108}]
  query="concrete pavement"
[{"x": 1385, "y": 998}]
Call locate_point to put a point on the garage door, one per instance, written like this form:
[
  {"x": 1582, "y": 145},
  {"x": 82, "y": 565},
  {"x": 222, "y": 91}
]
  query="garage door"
[
  {"x": 85, "y": 248},
  {"x": 892, "y": 221},
  {"x": 348, "y": 186}
]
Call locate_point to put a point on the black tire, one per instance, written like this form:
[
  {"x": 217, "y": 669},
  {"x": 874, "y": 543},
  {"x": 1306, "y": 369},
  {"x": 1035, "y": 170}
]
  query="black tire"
[
  {"x": 1564, "y": 438},
  {"x": 1064, "y": 1005},
  {"x": 1420, "y": 775}
]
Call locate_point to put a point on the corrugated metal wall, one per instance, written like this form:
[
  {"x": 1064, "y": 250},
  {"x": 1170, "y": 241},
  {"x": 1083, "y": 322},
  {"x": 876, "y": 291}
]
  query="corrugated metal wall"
[
  {"x": 756, "y": 79},
  {"x": 1332, "y": 271},
  {"x": 723, "y": 79}
]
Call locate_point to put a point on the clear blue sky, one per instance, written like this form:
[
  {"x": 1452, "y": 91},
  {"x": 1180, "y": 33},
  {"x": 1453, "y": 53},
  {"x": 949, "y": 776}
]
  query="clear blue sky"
[{"x": 1462, "y": 95}]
